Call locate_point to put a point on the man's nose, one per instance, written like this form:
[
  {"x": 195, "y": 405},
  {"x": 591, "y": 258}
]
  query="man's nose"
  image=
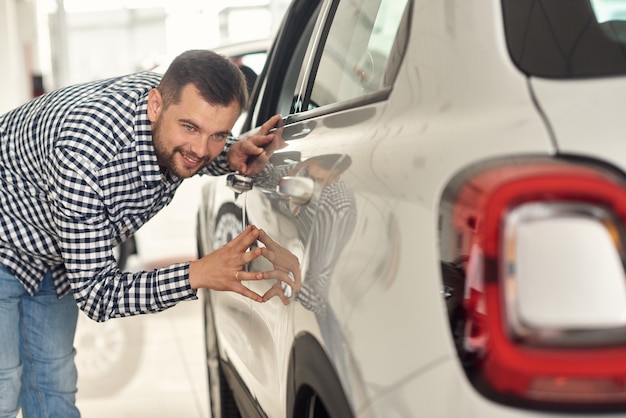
[
  {"x": 215, "y": 148},
  {"x": 200, "y": 148}
]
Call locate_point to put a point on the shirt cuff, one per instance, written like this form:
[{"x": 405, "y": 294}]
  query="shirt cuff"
[{"x": 173, "y": 284}]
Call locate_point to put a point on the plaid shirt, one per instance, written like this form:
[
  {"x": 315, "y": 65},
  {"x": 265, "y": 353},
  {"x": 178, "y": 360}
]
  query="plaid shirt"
[{"x": 79, "y": 175}]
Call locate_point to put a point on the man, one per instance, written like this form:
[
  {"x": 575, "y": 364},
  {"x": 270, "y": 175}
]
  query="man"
[{"x": 81, "y": 169}]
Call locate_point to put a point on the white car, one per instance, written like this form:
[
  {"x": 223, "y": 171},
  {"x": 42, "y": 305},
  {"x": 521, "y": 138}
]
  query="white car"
[{"x": 452, "y": 177}]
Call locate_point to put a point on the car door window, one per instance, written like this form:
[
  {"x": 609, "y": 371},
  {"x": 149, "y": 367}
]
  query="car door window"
[
  {"x": 359, "y": 51},
  {"x": 288, "y": 100},
  {"x": 277, "y": 92}
]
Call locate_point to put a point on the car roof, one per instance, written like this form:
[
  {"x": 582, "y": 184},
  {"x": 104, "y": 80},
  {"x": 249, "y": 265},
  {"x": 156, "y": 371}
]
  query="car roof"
[{"x": 230, "y": 50}]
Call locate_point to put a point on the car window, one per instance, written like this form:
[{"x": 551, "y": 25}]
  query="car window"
[
  {"x": 254, "y": 61},
  {"x": 567, "y": 39},
  {"x": 281, "y": 76},
  {"x": 289, "y": 98},
  {"x": 357, "y": 51}
]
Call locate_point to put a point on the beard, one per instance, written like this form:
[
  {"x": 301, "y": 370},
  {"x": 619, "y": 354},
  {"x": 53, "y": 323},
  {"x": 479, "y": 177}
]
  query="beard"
[{"x": 170, "y": 161}]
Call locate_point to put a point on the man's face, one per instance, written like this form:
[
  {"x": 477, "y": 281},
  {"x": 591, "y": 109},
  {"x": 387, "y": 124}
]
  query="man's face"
[{"x": 189, "y": 134}]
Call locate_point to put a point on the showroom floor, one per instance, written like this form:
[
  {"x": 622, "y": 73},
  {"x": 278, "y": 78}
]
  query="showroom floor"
[{"x": 154, "y": 367}]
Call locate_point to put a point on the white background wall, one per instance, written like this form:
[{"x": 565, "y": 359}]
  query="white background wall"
[
  {"x": 71, "y": 41},
  {"x": 13, "y": 81}
]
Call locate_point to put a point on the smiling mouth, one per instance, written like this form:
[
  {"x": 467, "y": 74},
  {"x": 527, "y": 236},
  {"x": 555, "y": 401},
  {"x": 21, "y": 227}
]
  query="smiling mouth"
[{"x": 192, "y": 160}]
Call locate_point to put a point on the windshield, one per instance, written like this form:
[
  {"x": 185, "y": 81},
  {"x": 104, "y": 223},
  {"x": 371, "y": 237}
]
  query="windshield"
[{"x": 567, "y": 38}]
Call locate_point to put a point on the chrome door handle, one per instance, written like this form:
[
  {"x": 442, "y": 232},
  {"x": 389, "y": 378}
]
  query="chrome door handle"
[
  {"x": 298, "y": 190},
  {"x": 302, "y": 133},
  {"x": 239, "y": 183}
]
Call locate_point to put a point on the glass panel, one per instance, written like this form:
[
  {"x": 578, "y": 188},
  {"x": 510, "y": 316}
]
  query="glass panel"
[
  {"x": 277, "y": 92},
  {"x": 567, "y": 39},
  {"x": 357, "y": 50},
  {"x": 606, "y": 10}
]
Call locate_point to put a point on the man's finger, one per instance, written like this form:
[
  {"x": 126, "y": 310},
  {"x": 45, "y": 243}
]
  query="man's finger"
[
  {"x": 250, "y": 256},
  {"x": 245, "y": 239},
  {"x": 276, "y": 290},
  {"x": 270, "y": 124},
  {"x": 243, "y": 290},
  {"x": 248, "y": 275},
  {"x": 283, "y": 276},
  {"x": 256, "y": 143},
  {"x": 265, "y": 239}
]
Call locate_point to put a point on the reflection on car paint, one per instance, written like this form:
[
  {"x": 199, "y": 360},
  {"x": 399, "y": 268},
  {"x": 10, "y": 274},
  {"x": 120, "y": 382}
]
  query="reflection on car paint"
[{"x": 326, "y": 223}]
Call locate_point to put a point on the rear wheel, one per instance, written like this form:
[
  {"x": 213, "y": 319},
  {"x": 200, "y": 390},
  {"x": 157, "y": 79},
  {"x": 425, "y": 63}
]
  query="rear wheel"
[
  {"x": 317, "y": 391},
  {"x": 123, "y": 252},
  {"x": 222, "y": 402},
  {"x": 108, "y": 354},
  {"x": 314, "y": 408}
]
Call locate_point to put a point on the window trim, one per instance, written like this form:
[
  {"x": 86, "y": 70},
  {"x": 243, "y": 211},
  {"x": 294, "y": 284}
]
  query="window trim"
[
  {"x": 367, "y": 99},
  {"x": 310, "y": 63},
  {"x": 402, "y": 39},
  {"x": 300, "y": 11}
]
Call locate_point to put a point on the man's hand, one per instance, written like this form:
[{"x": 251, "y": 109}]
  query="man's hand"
[
  {"x": 286, "y": 268},
  {"x": 242, "y": 152},
  {"x": 222, "y": 269}
]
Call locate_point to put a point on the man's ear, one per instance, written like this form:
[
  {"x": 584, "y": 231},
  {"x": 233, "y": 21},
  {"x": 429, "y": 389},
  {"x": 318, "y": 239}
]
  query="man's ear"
[{"x": 155, "y": 105}]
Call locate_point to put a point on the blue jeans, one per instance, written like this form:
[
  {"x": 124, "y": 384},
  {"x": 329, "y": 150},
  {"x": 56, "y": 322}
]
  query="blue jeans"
[{"x": 37, "y": 369}]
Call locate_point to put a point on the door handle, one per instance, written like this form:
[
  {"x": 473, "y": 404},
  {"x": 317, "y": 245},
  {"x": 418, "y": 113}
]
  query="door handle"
[
  {"x": 304, "y": 132},
  {"x": 239, "y": 183},
  {"x": 298, "y": 190}
]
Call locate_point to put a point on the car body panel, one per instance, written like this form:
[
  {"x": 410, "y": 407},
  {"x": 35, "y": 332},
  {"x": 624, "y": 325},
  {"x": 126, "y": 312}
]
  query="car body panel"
[
  {"x": 381, "y": 194},
  {"x": 369, "y": 240},
  {"x": 579, "y": 124}
]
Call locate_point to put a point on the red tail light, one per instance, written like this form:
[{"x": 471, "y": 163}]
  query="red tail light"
[{"x": 545, "y": 290}]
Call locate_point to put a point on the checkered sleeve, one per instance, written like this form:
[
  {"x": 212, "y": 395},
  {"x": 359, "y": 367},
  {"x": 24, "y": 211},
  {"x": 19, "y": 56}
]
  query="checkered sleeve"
[{"x": 84, "y": 235}]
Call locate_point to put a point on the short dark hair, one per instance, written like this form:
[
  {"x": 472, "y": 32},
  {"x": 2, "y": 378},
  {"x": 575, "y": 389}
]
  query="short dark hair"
[{"x": 217, "y": 78}]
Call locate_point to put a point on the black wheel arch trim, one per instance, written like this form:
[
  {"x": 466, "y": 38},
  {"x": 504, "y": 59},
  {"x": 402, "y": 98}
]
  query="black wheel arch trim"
[
  {"x": 310, "y": 367},
  {"x": 248, "y": 406}
]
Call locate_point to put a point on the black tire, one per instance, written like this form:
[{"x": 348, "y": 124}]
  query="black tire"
[
  {"x": 313, "y": 406},
  {"x": 221, "y": 400}
]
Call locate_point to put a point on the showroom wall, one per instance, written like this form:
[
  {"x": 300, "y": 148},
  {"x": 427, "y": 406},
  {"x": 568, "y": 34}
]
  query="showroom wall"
[
  {"x": 47, "y": 44},
  {"x": 15, "y": 42}
]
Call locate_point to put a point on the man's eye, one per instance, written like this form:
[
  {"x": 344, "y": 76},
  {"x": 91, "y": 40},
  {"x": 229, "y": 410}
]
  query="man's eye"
[
  {"x": 219, "y": 137},
  {"x": 189, "y": 128}
]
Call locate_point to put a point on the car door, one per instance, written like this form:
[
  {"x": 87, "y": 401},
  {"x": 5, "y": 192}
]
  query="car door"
[
  {"x": 270, "y": 323},
  {"x": 330, "y": 91}
]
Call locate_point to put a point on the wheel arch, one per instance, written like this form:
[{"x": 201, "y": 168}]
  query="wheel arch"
[{"x": 311, "y": 373}]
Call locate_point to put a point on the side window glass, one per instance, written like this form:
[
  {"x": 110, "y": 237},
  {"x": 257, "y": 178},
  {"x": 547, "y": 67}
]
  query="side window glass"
[
  {"x": 254, "y": 61},
  {"x": 288, "y": 99},
  {"x": 356, "y": 55},
  {"x": 277, "y": 91}
]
